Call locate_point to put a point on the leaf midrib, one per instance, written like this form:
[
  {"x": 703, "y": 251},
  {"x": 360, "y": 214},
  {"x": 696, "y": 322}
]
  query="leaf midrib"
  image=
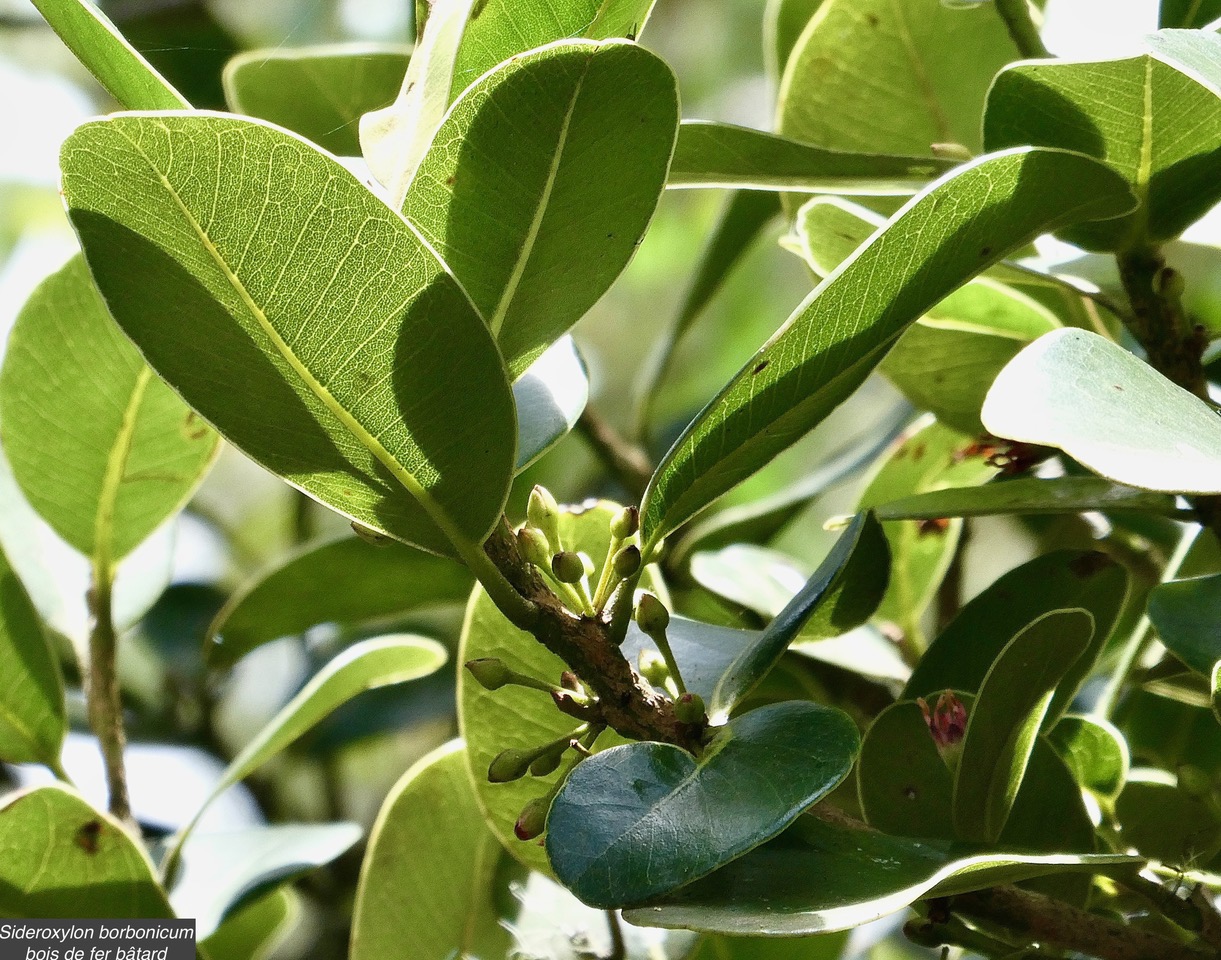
[
  {"x": 116, "y": 468},
  {"x": 370, "y": 442}
]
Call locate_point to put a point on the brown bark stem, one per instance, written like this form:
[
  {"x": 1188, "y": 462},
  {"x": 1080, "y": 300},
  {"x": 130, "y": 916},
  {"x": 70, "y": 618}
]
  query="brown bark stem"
[
  {"x": 629, "y": 463},
  {"x": 105, "y": 705}
]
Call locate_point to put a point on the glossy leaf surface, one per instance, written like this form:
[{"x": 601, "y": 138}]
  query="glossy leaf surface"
[
  {"x": 1185, "y": 614},
  {"x": 631, "y": 823},
  {"x": 375, "y": 412},
  {"x": 550, "y": 398},
  {"x": 841, "y": 332},
  {"x": 1027, "y": 495}
]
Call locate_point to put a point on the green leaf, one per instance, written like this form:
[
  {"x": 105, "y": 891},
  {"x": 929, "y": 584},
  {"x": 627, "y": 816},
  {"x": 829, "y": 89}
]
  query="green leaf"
[
  {"x": 62, "y": 858},
  {"x": 1095, "y": 752},
  {"x": 1161, "y": 820},
  {"x": 921, "y": 89},
  {"x": 783, "y": 23},
  {"x": 33, "y": 718},
  {"x": 940, "y": 239},
  {"x": 116, "y": 64},
  {"x": 819, "y": 878},
  {"x": 588, "y": 166},
  {"x": 718, "y": 947},
  {"x": 1188, "y": 13},
  {"x": 221, "y": 872},
  {"x": 1158, "y": 126},
  {"x": 743, "y": 218},
  {"x": 1009, "y": 709},
  {"x": 499, "y": 29},
  {"x": 393, "y": 140},
  {"x": 1025, "y": 496},
  {"x": 1129, "y": 423},
  {"x": 319, "y": 92},
  {"x": 928, "y": 456},
  {"x": 347, "y": 582},
  {"x": 962, "y": 654},
  {"x": 550, "y": 398},
  {"x": 363, "y": 666},
  {"x": 722, "y": 155},
  {"x": 426, "y": 882},
  {"x": 632, "y": 823},
  {"x": 102, "y": 449},
  {"x": 843, "y": 593},
  {"x": 520, "y": 718},
  {"x": 1185, "y": 614},
  {"x": 255, "y": 929},
  {"x": 703, "y": 651},
  {"x": 758, "y": 578},
  {"x": 358, "y": 426}
]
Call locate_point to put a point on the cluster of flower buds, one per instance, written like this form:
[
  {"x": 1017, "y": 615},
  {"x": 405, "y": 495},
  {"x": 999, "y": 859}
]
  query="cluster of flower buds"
[
  {"x": 661, "y": 669},
  {"x": 541, "y": 761}
]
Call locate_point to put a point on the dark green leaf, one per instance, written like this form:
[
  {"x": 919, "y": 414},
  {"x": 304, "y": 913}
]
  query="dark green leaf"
[
  {"x": 1027, "y": 495},
  {"x": 721, "y": 155},
  {"x": 1129, "y": 423},
  {"x": 1094, "y": 751},
  {"x": 347, "y": 582},
  {"x": 1009, "y": 709},
  {"x": 819, "y": 878},
  {"x": 1185, "y": 614},
  {"x": 939, "y": 240},
  {"x": 102, "y": 449},
  {"x": 632, "y": 822},
  {"x": 588, "y": 166},
  {"x": 220, "y": 872},
  {"x": 387, "y": 430},
  {"x": 426, "y": 882},
  {"x": 62, "y": 858},
  {"x": 128, "y": 77},
  {"x": 319, "y": 92},
  {"x": 1188, "y": 13},
  {"x": 253, "y": 930},
  {"x": 1161, "y": 820}
]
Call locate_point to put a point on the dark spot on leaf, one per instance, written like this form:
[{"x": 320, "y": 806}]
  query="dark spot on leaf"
[
  {"x": 449, "y": 181},
  {"x": 910, "y": 793},
  {"x": 918, "y": 451},
  {"x": 985, "y": 252},
  {"x": 193, "y": 427},
  {"x": 1086, "y": 565},
  {"x": 874, "y": 20},
  {"x": 1117, "y": 387},
  {"x": 610, "y": 236},
  {"x": 933, "y": 526},
  {"x": 87, "y": 836},
  {"x": 760, "y": 367}
]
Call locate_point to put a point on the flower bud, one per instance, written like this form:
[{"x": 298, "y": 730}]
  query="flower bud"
[
  {"x": 533, "y": 818},
  {"x": 546, "y": 763},
  {"x": 627, "y": 561},
  {"x": 567, "y": 567},
  {"x": 689, "y": 708},
  {"x": 652, "y": 666},
  {"x": 652, "y": 615},
  {"x": 947, "y": 724},
  {"x": 570, "y": 681},
  {"x": 510, "y": 765},
  {"x": 533, "y": 546},
  {"x": 543, "y": 514},
  {"x": 490, "y": 672},
  {"x": 625, "y": 523}
]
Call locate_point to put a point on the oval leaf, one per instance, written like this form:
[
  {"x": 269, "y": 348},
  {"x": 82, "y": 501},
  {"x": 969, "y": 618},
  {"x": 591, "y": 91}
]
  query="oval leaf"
[
  {"x": 939, "y": 240},
  {"x": 347, "y": 582},
  {"x": 1095, "y": 752},
  {"x": 632, "y": 822},
  {"x": 265, "y": 246},
  {"x": 319, "y": 92},
  {"x": 102, "y": 449},
  {"x": 426, "y": 882},
  {"x": 588, "y": 167},
  {"x": 1185, "y": 614},
  {"x": 1005, "y": 719},
  {"x": 62, "y": 858},
  {"x": 1129, "y": 423},
  {"x": 550, "y": 398}
]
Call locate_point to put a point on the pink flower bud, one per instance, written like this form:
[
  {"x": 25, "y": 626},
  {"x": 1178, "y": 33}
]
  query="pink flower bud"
[{"x": 947, "y": 722}]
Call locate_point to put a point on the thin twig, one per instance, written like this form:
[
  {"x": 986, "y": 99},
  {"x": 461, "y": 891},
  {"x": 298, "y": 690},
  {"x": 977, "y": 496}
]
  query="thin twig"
[
  {"x": 105, "y": 704},
  {"x": 1020, "y": 24},
  {"x": 629, "y": 464}
]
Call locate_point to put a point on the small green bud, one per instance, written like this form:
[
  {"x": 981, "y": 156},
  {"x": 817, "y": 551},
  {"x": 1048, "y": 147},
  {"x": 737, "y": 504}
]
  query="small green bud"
[
  {"x": 1169, "y": 283},
  {"x": 689, "y": 708},
  {"x": 652, "y": 666},
  {"x": 510, "y": 765},
  {"x": 533, "y": 818},
  {"x": 567, "y": 567},
  {"x": 544, "y": 514},
  {"x": 625, "y": 523},
  {"x": 652, "y": 615},
  {"x": 490, "y": 672},
  {"x": 627, "y": 561},
  {"x": 533, "y": 546},
  {"x": 548, "y": 762}
]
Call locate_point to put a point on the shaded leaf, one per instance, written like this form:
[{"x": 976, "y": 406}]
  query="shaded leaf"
[
  {"x": 102, "y": 449},
  {"x": 255, "y": 929},
  {"x": 819, "y": 878},
  {"x": 1188, "y": 13},
  {"x": 1158, "y": 818},
  {"x": 1129, "y": 423},
  {"x": 116, "y": 64},
  {"x": 783, "y": 23},
  {"x": 550, "y": 398},
  {"x": 177, "y": 208},
  {"x": 841, "y": 332},
  {"x": 347, "y": 581},
  {"x": 631, "y": 823},
  {"x": 426, "y": 882},
  {"x": 1095, "y": 752},
  {"x": 712, "y": 154},
  {"x": 222, "y": 872},
  {"x": 590, "y": 128},
  {"x": 1185, "y": 614},
  {"x": 319, "y": 92},
  {"x": 1009, "y": 709},
  {"x": 62, "y": 858},
  {"x": 703, "y": 651}
]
